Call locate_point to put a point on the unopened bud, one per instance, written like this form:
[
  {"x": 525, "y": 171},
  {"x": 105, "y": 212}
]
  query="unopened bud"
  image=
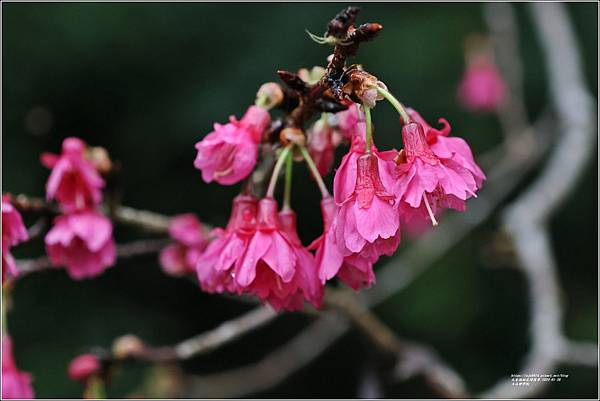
[
  {"x": 292, "y": 135},
  {"x": 83, "y": 367},
  {"x": 311, "y": 76},
  {"x": 269, "y": 95},
  {"x": 100, "y": 159},
  {"x": 127, "y": 346}
]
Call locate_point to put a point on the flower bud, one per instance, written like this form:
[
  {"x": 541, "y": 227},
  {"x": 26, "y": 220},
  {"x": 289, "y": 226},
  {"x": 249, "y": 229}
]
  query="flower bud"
[
  {"x": 83, "y": 367},
  {"x": 311, "y": 76},
  {"x": 100, "y": 159},
  {"x": 127, "y": 346},
  {"x": 271, "y": 94},
  {"x": 292, "y": 135}
]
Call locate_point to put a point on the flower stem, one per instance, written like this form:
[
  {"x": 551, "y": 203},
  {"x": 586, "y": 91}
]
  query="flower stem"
[
  {"x": 396, "y": 103},
  {"x": 277, "y": 169},
  {"x": 315, "y": 172},
  {"x": 287, "y": 193},
  {"x": 369, "y": 135}
]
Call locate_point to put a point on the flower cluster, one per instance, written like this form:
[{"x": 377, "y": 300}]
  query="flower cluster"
[
  {"x": 16, "y": 384},
  {"x": 374, "y": 193},
  {"x": 13, "y": 233},
  {"x": 81, "y": 239},
  {"x": 180, "y": 258}
]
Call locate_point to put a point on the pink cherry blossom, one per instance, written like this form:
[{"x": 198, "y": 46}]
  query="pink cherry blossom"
[
  {"x": 428, "y": 181},
  {"x": 83, "y": 367},
  {"x": 355, "y": 270},
  {"x": 449, "y": 147},
  {"x": 228, "y": 154},
  {"x": 367, "y": 221},
  {"x": 216, "y": 266},
  {"x": 74, "y": 181},
  {"x": 13, "y": 233},
  {"x": 349, "y": 123},
  {"x": 180, "y": 258},
  {"x": 482, "y": 87},
  {"x": 321, "y": 145},
  {"x": 81, "y": 242},
  {"x": 16, "y": 384}
]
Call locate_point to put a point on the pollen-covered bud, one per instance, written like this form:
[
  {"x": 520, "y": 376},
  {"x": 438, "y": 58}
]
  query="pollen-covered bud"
[
  {"x": 83, "y": 367},
  {"x": 269, "y": 95},
  {"x": 127, "y": 346}
]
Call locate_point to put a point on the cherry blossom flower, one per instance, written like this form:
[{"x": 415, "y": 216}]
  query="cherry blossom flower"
[
  {"x": 355, "y": 270},
  {"x": 216, "y": 266},
  {"x": 16, "y": 384},
  {"x": 180, "y": 258},
  {"x": 481, "y": 87},
  {"x": 74, "y": 181},
  {"x": 13, "y": 233},
  {"x": 228, "y": 154},
  {"x": 81, "y": 242},
  {"x": 429, "y": 180},
  {"x": 321, "y": 145},
  {"x": 367, "y": 221},
  {"x": 83, "y": 367},
  {"x": 449, "y": 147}
]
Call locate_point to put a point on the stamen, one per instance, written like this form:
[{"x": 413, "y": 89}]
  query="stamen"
[{"x": 428, "y": 207}]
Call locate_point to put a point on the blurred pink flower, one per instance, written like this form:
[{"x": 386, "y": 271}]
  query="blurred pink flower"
[
  {"x": 354, "y": 270},
  {"x": 228, "y": 154},
  {"x": 74, "y": 181},
  {"x": 180, "y": 258},
  {"x": 321, "y": 145},
  {"x": 16, "y": 384},
  {"x": 83, "y": 367},
  {"x": 13, "y": 232},
  {"x": 482, "y": 87},
  {"x": 81, "y": 242}
]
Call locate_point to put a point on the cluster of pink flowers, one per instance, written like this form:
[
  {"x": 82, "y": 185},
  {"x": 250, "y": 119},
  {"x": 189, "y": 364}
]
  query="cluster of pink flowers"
[
  {"x": 16, "y": 384},
  {"x": 375, "y": 192},
  {"x": 13, "y": 233},
  {"x": 180, "y": 258},
  {"x": 81, "y": 239}
]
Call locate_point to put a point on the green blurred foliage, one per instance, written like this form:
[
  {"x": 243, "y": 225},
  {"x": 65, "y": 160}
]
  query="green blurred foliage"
[{"x": 147, "y": 81}]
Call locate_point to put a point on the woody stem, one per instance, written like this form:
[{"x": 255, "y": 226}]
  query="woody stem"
[
  {"x": 277, "y": 170},
  {"x": 287, "y": 192},
  {"x": 315, "y": 172},
  {"x": 369, "y": 130},
  {"x": 396, "y": 103}
]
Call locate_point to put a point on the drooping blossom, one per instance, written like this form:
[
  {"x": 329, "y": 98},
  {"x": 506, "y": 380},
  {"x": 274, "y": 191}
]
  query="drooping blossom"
[
  {"x": 367, "y": 221},
  {"x": 13, "y": 233},
  {"x": 82, "y": 242},
  {"x": 83, "y": 367},
  {"x": 217, "y": 265},
  {"x": 16, "y": 384},
  {"x": 321, "y": 145},
  {"x": 275, "y": 266},
  {"x": 481, "y": 87},
  {"x": 228, "y": 154},
  {"x": 355, "y": 270},
  {"x": 426, "y": 181},
  {"x": 449, "y": 147},
  {"x": 348, "y": 124},
  {"x": 74, "y": 181},
  {"x": 180, "y": 258}
]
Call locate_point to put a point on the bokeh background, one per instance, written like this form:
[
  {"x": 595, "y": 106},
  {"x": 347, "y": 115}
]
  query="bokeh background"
[{"x": 147, "y": 81}]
